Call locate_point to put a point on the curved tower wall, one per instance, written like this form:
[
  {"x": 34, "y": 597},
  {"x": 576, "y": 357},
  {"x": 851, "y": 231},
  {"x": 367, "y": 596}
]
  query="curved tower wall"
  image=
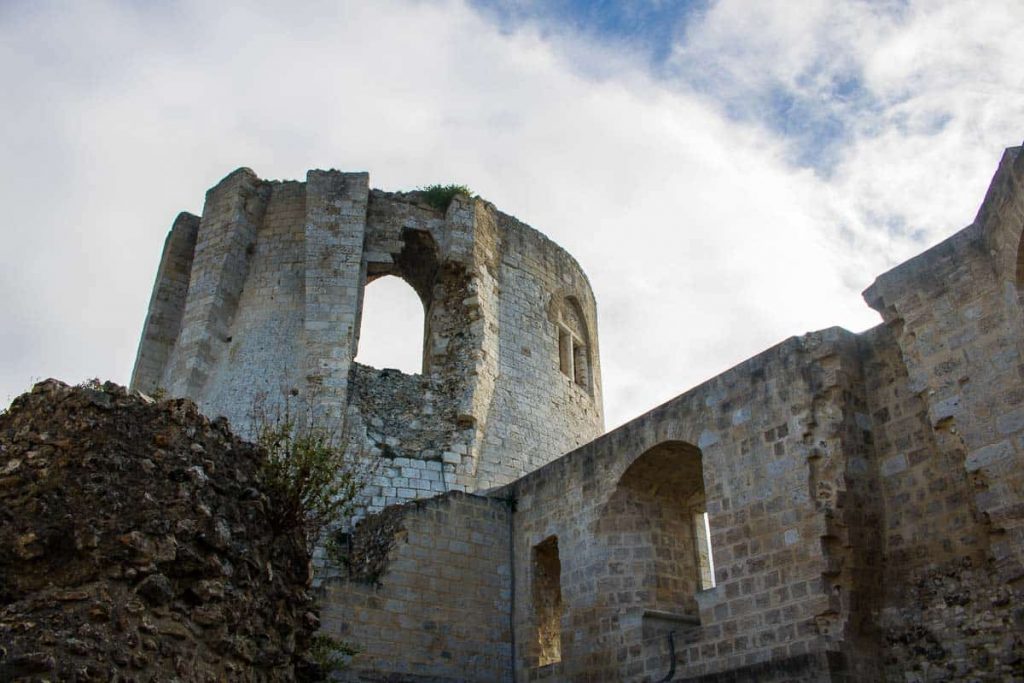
[{"x": 259, "y": 301}]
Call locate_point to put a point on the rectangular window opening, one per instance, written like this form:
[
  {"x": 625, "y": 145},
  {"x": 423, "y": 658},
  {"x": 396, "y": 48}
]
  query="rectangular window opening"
[
  {"x": 705, "y": 558},
  {"x": 565, "y": 351},
  {"x": 547, "y": 600},
  {"x": 579, "y": 361}
]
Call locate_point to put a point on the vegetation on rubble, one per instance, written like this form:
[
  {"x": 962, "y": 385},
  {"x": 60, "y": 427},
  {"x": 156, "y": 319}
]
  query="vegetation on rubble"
[{"x": 440, "y": 196}]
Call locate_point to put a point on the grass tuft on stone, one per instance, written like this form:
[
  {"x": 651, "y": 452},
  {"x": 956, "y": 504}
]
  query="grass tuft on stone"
[{"x": 440, "y": 196}]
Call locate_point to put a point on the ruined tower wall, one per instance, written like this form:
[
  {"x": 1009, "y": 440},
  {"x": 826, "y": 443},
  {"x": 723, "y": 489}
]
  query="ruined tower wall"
[
  {"x": 270, "y": 309},
  {"x": 167, "y": 303},
  {"x": 258, "y": 304},
  {"x": 950, "y": 410},
  {"x": 536, "y": 410}
]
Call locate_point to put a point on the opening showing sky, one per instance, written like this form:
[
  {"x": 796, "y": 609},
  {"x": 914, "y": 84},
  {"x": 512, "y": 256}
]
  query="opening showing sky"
[
  {"x": 728, "y": 173},
  {"x": 392, "y": 327}
]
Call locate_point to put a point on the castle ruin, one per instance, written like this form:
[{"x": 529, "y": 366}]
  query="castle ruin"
[{"x": 839, "y": 507}]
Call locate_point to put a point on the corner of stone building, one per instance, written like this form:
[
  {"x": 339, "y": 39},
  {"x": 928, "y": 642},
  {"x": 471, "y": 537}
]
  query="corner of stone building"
[
  {"x": 430, "y": 579},
  {"x": 224, "y": 247},
  {"x": 333, "y": 237},
  {"x": 956, "y": 316},
  {"x": 1001, "y": 214},
  {"x": 241, "y": 174}
]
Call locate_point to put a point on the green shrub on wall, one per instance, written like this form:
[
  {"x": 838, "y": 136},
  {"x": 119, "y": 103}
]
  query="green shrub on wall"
[
  {"x": 313, "y": 483},
  {"x": 440, "y": 196}
]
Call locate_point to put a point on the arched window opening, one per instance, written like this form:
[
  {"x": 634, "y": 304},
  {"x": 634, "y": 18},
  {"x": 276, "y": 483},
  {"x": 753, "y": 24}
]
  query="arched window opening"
[
  {"x": 547, "y": 601},
  {"x": 655, "y": 524},
  {"x": 391, "y": 332},
  {"x": 664, "y": 492},
  {"x": 573, "y": 348}
]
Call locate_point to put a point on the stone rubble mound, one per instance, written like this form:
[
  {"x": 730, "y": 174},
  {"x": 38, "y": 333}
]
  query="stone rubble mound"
[{"x": 135, "y": 546}]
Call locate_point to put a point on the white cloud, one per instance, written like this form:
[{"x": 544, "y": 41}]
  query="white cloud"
[
  {"x": 704, "y": 245},
  {"x": 926, "y": 93}
]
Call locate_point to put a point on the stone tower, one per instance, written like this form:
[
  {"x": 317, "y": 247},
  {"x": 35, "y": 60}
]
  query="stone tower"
[{"x": 260, "y": 299}]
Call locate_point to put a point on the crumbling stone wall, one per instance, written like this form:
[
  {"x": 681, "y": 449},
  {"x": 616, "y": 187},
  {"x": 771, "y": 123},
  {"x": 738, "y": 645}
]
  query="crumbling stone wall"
[
  {"x": 837, "y": 433},
  {"x": 429, "y": 594},
  {"x": 136, "y": 544},
  {"x": 947, "y": 615},
  {"x": 929, "y": 518},
  {"x": 952, "y": 450}
]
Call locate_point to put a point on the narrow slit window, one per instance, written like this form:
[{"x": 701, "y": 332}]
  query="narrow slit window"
[
  {"x": 565, "y": 352},
  {"x": 547, "y": 601},
  {"x": 705, "y": 558},
  {"x": 573, "y": 349},
  {"x": 579, "y": 364}
]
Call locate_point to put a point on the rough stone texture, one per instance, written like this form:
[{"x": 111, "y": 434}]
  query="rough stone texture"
[
  {"x": 773, "y": 466},
  {"x": 952, "y": 447},
  {"x": 440, "y": 609},
  {"x": 954, "y": 622},
  {"x": 259, "y": 301},
  {"x": 865, "y": 492},
  {"x": 134, "y": 545}
]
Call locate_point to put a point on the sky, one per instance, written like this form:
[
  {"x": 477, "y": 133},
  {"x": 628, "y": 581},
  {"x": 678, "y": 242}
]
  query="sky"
[{"x": 728, "y": 173}]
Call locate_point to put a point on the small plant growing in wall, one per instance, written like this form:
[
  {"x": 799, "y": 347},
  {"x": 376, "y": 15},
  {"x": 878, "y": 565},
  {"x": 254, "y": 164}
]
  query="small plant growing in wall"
[
  {"x": 331, "y": 654},
  {"x": 440, "y": 196},
  {"x": 313, "y": 483}
]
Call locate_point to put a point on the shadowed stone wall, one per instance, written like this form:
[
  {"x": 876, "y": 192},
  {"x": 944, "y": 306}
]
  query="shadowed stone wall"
[{"x": 765, "y": 449}]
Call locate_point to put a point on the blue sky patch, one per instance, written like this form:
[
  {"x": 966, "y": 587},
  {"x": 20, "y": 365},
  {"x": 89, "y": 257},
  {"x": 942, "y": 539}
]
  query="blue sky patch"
[{"x": 649, "y": 26}]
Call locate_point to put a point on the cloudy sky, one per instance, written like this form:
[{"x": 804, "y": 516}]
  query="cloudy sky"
[{"x": 728, "y": 173}]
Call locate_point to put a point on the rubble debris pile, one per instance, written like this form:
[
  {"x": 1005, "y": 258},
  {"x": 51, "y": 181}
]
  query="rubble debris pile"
[{"x": 135, "y": 545}]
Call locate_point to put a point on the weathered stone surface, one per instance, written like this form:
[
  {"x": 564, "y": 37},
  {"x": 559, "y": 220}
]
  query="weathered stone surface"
[
  {"x": 956, "y": 622},
  {"x": 427, "y": 592},
  {"x": 131, "y": 550}
]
